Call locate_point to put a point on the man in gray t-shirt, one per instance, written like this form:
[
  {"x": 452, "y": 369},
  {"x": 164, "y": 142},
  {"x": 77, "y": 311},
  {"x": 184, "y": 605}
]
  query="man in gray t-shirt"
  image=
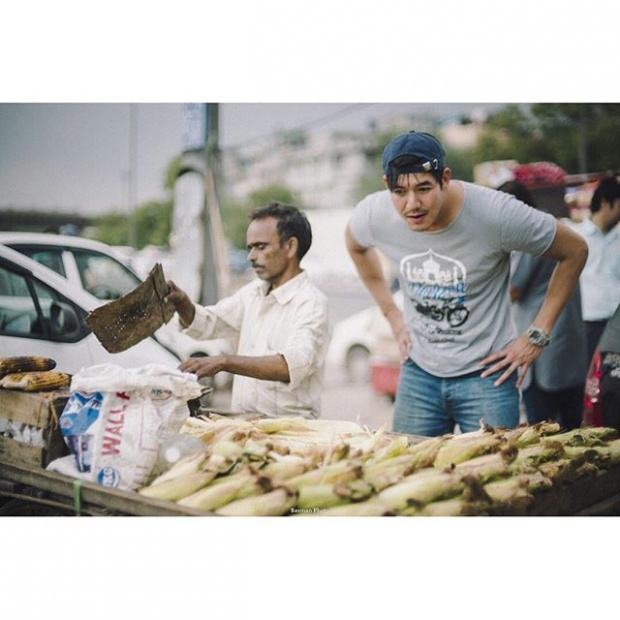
[{"x": 451, "y": 242}]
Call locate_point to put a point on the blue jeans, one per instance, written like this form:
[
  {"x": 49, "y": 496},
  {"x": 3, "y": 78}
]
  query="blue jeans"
[{"x": 429, "y": 405}]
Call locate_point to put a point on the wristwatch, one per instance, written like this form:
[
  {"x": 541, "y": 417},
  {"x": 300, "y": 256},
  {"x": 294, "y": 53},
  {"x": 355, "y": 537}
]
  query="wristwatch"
[{"x": 538, "y": 336}]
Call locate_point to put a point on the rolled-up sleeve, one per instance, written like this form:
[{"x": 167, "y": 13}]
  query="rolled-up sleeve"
[
  {"x": 306, "y": 347},
  {"x": 221, "y": 320}
]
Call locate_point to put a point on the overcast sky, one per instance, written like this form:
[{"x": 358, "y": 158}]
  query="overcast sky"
[{"x": 76, "y": 156}]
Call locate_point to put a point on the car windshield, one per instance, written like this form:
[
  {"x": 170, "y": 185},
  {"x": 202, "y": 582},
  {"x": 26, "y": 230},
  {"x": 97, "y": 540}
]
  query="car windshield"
[{"x": 104, "y": 277}]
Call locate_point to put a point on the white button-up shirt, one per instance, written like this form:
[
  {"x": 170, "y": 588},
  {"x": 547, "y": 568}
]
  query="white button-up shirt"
[
  {"x": 291, "y": 320},
  {"x": 600, "y": 278}
]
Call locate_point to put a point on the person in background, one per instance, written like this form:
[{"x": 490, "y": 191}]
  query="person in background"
[
  {"x": 280, "y": 320},
  {"x": 553, "y": 386},
  {"x": 600, "y": 278},
  {"x": 451, "y": 241}
]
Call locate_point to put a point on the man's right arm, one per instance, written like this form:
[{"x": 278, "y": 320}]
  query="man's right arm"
[
  {"x": 368, "y": 266},
  {"x": 222, "y": 320}
]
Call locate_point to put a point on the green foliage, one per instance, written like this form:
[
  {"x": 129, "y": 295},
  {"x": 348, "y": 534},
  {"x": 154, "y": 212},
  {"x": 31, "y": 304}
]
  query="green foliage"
[
  {"x": 236, "y": 216},
  {"x": 579, "y": 137},
  {"x": 152, "y": 221}
]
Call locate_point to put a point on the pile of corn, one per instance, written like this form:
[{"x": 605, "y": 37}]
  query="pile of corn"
[{"x": 300, "y": 467}]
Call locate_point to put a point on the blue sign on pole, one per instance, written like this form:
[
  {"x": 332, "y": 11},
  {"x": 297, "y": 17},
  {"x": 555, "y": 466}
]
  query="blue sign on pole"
[{"x": 194, "y": 126}]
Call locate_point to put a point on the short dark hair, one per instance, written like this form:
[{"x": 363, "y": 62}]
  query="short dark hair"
[
  {"x": 401, "y": 165},
  {"x": 608, "y": 190},
  {"x": 291, "y": 223},
  {"x": 519, "y": 191}
]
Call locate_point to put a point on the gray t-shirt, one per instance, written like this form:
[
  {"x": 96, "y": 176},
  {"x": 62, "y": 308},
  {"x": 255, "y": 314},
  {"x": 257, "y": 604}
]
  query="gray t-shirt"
[{"x": 455, "y": 281}]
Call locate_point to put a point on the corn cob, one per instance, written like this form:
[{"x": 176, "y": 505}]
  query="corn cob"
[
  {"x": 487, "y": 467},
  {"x": 386, "y": 473},
  {"x": 425, "y": 452},
  {"x": 183, "y": 467},
  {"x": 523, "y": 436},
  {"x": 177, "y": 488},
  {"x": 533, "y": 456},
  {"x": 588, "y": 436},
  {"x": 284, "y": 469},
  {"x": 454, "y": 507},
  {"x": 396, "y": 446},
  {"x": 10, "y": 365},
  {"x": 340, "y": 472},
  {"x": 281, "y": 425},
  {"x": 276, "y": 503},
  {"x": 422, "y": 487},
  {"x": 217, "y": 495},
  {"x": 37, "y": 381},
  {"x": 369, "y": 508},
  {"x": 462, "y": 448}
]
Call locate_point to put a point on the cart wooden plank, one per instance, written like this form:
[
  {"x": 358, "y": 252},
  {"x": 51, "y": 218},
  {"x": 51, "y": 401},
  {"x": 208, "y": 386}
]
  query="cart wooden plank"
[{"x": 112, "y": 500}]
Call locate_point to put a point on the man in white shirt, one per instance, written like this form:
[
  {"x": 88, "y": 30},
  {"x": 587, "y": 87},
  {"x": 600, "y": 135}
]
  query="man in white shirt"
[
  {"x": 600, "y": 278},
  {"x": 280, "y": 320}
]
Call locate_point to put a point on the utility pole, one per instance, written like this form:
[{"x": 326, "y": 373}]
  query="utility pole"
[{"x": 132, "y": 176}]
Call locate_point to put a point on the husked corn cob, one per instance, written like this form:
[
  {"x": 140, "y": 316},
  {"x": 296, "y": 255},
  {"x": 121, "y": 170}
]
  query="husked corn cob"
[
  {"x": 177, "y": 488},
  {"x": 37, "y": 381},
  {"x": 25, "y": 363},
  {"x": 276, "y": 503}
]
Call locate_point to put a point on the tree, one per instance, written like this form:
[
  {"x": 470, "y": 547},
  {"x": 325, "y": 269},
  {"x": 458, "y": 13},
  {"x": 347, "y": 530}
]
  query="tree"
[{"x": 236, "y": 215}]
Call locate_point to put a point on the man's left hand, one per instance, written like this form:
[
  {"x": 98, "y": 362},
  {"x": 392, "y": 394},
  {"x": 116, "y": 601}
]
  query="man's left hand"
[
  {"x": 519, "y": 355},
  {"x": 204, "y": 366}
]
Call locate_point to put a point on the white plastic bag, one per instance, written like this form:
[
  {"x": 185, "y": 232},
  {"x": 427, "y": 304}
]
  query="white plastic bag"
[{"x": 116, "y": 418}]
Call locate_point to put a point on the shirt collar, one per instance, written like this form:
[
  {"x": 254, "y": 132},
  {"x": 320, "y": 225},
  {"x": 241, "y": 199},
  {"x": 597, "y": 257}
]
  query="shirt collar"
[
  {"x": 283, "y": 294},
  {"x": 590, "y": 228}
]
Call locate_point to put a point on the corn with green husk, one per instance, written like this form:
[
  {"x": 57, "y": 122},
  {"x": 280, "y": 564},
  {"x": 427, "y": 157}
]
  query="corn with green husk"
[
  {"x": 454, "y": 507},
  {"x": 216, "y": 495},
  {"x": 319, "y": 496},
  {"x": 386, "y": 473},
  {"x": 395, "y": 447},
  {"x": 606, "y": 455},
  {"x": 369, "y": 508},
  {"x": 489, "y": 466},
  {"x": 420, "y": 488},
  {"x": 334, "y": 473},
  {"x": 464, "y": 447},
  {"x": 179, "y": 487},
  {"x": 523, "y": 436},
  {"x": 277, "y": 502},
  {"x": 530, "y": 458},
  {"x": 284, "y": 468},
  {"x": 184, "y": 466},
  {"x": 588, "y": 436},
  {"x": 566, "y": 470},
  {"x": 425, "y": 452}
]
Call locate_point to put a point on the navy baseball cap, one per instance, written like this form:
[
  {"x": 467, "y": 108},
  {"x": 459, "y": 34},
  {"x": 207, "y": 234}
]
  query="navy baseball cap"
[{"x": 418, "y": 144}]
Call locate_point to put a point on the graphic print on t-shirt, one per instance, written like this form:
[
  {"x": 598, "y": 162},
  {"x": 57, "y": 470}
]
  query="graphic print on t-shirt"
[{"x": 436, "y": 286}]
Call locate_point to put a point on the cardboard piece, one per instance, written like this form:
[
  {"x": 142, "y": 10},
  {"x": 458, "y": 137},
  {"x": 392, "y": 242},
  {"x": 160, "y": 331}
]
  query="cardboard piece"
[
  {"x": 37, "y": 409},
  {"x": 123, "y": 323}
]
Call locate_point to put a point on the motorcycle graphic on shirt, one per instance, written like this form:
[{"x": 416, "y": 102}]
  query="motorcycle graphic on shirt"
[{"x": 436, "y": 286}]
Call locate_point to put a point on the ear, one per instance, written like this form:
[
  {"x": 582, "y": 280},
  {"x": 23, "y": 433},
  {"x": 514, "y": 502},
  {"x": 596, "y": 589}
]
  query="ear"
[
  {"x": 385, "y": 183},
  {"x": 292, "y": 245},
  {"x": 446, "y": 176}
]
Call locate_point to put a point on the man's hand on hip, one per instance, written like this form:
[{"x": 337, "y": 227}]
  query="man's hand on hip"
[{"x": 519, "y": 355}]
